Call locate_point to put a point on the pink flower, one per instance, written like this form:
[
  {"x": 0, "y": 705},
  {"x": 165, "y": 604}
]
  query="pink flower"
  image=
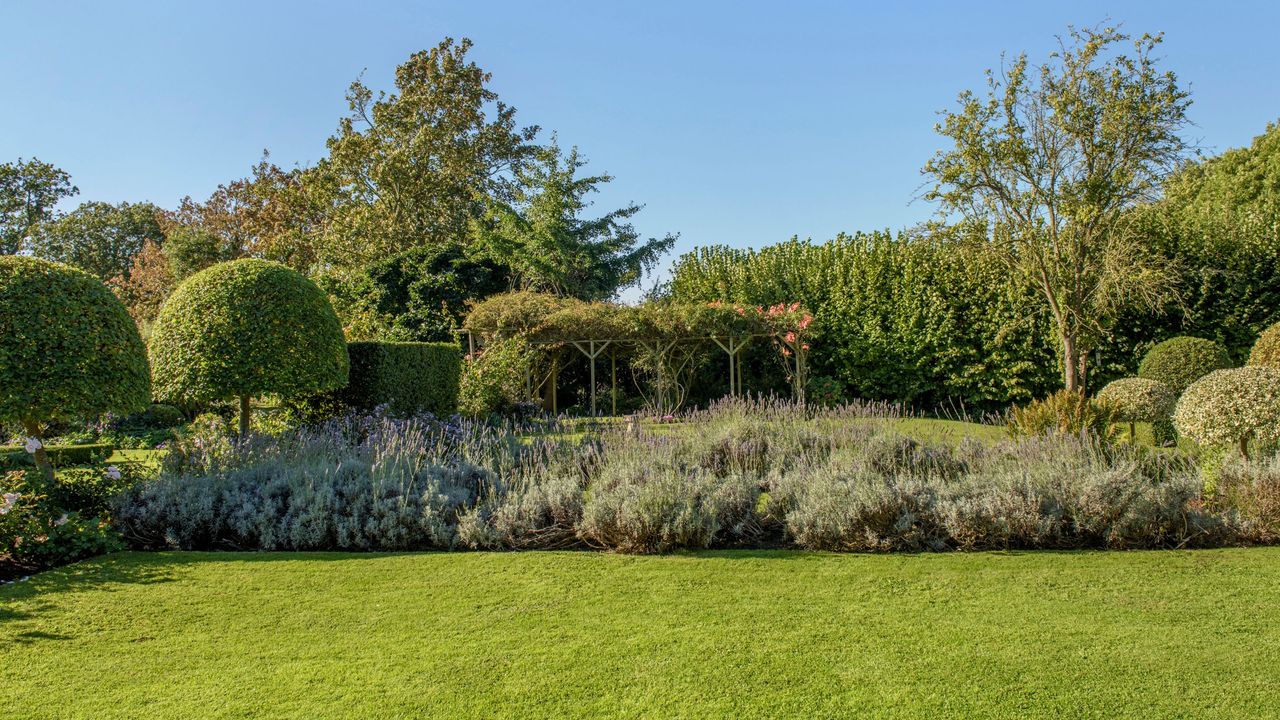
[
  {"x": 113, "y": 472},
  {"x": 790, "y": 337}
]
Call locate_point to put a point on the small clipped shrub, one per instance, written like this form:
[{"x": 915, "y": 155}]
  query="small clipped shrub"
[
  {"x": 1065, "y": 412},
  {"x": 244, "y": 329},
  {"x": 1232, "y": 407},
  {"x": 163, "y": 416},
  {"x": 68, "y": 348},
  {"x": 1266, "y": 351},
  {"x": 1180, "y": 361},
  {"x": 408, "y": 377},
  {"x": 1135, "y": 400}
]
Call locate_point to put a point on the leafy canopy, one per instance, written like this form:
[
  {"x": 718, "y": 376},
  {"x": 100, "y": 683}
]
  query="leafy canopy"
[
  {"x": 99, "y": 238},
  {"x": 551, "y": 247},
  {"x": 1049, "y": 162},
  {"x": 68, "y": 349},
  {"x": 243, "y": 329},
  {"x": 29, "y": 191}
]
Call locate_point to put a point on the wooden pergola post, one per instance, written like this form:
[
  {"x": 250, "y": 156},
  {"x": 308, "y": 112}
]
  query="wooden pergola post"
[
  {"x": 592, "y": 352},
  {"x": 733, "y": 346}
]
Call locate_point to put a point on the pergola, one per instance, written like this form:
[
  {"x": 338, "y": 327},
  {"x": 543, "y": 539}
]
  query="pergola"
[{"x": 594, "y": 328}]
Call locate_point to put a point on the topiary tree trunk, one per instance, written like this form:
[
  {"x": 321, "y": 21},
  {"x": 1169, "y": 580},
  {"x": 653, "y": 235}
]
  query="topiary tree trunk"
[
  {"x": 244, "y": 416},
  {"x": 32, "y": 429}
]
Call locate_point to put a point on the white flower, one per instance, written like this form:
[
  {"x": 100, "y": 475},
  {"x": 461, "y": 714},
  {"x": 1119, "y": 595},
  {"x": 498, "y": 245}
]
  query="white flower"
[
  {"x": 32, "y": 445},
  {"x": 113, "y": 472},
  {"x": 6, "y": 502},
  {"x": 60, "y": 521}
]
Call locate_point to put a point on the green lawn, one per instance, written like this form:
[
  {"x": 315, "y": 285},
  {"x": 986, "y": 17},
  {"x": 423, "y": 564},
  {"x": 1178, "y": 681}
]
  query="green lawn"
[{"x": 1191, "y": 634}]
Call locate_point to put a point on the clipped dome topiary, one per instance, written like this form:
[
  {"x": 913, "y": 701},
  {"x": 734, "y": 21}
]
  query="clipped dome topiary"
[
  {"x": 1231, "y": 407},
  {"x": 1266, "y": 351},
  {"x": 1180, "y": 361},
  {"x": 246, "y": 328},
  {"x": 68, "y": 348},
  {"x": 1135, "y": 400}
]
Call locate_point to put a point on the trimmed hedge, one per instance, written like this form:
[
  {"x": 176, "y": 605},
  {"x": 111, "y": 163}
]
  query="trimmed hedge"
[
  {"x": 1266, "y": 351},
  {"x": 13, "y": 457},
  {"x": 1232, "y": 406},
  {"x": 1180, "y": 361},
  {"x": 408, "y": 377}
]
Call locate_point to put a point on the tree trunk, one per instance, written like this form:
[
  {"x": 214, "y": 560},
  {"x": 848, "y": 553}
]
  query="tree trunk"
[
  {"x": 32, "y": 428},
  {"x": 244, "y": 416},
  {"x": 1072, "y": 365},
  {"x": 1244, "y": 444}
]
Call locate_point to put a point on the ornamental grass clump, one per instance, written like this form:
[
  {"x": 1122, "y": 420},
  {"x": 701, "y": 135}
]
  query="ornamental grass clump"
[
  {"x": 1134, "y": 400},
  {"x": 1232, "y": 407}
]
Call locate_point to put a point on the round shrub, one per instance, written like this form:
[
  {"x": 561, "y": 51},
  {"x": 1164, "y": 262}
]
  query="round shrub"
[
  {"x": 1134, "y": 400},
  {"x": 1232, "y": 406},
  {"x": 1266, "y": 351},
  {"x": 1180, "y": 361},
  {"x": 246, "y": 328},
  {"x": 68, "y": 348}
]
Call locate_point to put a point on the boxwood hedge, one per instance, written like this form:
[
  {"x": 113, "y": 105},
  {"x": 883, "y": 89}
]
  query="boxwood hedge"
[{"x": 408, "y": 377}]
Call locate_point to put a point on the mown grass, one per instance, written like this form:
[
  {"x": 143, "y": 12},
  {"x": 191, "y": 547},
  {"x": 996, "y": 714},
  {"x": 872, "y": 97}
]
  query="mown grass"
[{"x": 716, "y": 634}]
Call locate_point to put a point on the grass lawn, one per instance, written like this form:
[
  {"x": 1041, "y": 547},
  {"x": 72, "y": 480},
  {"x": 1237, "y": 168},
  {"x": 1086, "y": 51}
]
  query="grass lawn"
[{"x": 1191, "y": 634}]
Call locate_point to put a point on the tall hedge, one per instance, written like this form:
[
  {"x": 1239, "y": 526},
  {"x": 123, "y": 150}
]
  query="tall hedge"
[
  {"x": 243, "y": 329},
  {"x": 905, "y": 318},
  {"x": 408, "y": 377}
]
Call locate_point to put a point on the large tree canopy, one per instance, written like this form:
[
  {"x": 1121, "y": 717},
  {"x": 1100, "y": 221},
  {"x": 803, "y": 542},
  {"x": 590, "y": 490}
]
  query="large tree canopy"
[
  {"x": 415, "y": 167},
  {"x": 99, "y": 238},
  {"x": 29, "y": 191},
  {"x": 1050, "y": 161},
  {"x": 550, "y": 247}
]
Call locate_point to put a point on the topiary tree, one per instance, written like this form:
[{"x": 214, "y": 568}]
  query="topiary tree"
[
  {"x": 1266, "y": 351},
  {"x": 1180, "y": 361},
  {"x": 1135, "y": 400},
  {"x": 246, "y": 328},
  {"x": 68, "y": 349},
  {"x": 1232, "y": 407}
]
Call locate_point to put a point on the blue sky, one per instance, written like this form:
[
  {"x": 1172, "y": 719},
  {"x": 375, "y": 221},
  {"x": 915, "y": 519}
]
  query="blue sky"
[{"x": 741, "y": 123}]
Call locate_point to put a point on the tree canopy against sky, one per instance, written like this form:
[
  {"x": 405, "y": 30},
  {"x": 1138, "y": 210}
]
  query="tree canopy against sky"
[
  {"x": 1049, "y": 161},
  {"x": 29, "y": 192}
]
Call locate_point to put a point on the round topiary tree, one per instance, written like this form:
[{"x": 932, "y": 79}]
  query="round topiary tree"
[
  {"x": 1232, "y": 407},
  {"x": 1266, "y": 351},
  {"x": 1180, "y": 361},
  {"x": 1135, "y": 400},
  {"x": 246, "y": 328},
  {"x": 68, "y": 349}
]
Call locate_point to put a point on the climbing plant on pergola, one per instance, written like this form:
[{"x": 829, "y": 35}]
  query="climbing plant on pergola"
[{"x": 668, "y": 331}]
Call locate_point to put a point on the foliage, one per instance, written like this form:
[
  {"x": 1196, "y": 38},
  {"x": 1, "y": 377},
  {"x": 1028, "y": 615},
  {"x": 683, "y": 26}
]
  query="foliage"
[
  {"x": 1232, "y": 407},
  {"x": 414, "y": 167},
  {"x": 36, "y": 533},
  {"x": 1180, "y": 361},
  {"x": 68, "y": 348},
  {"x": 739, "y": 473},
  {"x": 99, "y": 238},
  {"x": 916, "y": 318},
  {"x": 29, "y": 193},
  {"x": 1065, "y": 412},
  {"x": 1266, "y": 351},
  {"x": 421, "y": 294},
  {"x": 550, "y": 247},
  {"x": 825, "y": 391},
  {"x": 147, "y": 284},
  {"x": 244, "y": 329},
  {"x": 1138, "y": 399},
  {"x": 272, "y": 214},
  {"x": 12, "y": 457},
  {"x": 408, "y": 378},
  {"x": 1049, "y": 162},
  {"x": 494, "y": 379}
]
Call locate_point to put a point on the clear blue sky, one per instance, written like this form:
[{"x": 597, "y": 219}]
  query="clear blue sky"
[{"x": 733, "y": 122}]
